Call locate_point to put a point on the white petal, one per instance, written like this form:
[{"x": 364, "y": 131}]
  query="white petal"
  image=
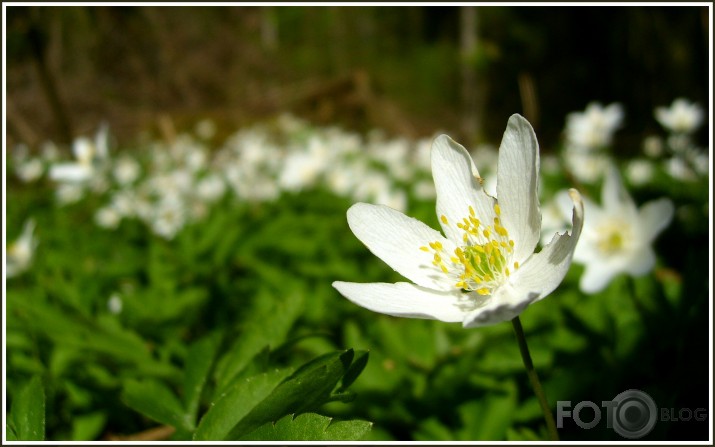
[
  {"x": 70, "y": 172},
  {"x": 544, "y": 271},
  {"x": 506, "y": 303},
  {"x": 654, "y": 217},
  {"x": 642, "y": 262},
  {"x": 614, "y": 196},
  {"x": 457, "y": 188},
  {"x": 396, "y": 239},
  {"x": 404, "y": 300},
  {"x": 517, "y": 181},
  {"x": 596, "y": 277}
]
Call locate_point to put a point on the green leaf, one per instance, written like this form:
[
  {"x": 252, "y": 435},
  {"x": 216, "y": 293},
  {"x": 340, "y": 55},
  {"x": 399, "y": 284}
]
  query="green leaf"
[
  {"x": 489, "y": 417},
  {"x": 89, "y": 426},
  {"x": 356, "y": 367},
  {"x": 309, "y": 427},
  {"x": 156, "y": 401},
  {"x": 305, "y": 390},
  {"x": 267, "y": 324},
  {"x": 198, "y": 363},
  {"x": 235, "y": 403},
  {"x": 28, "y": 412}
]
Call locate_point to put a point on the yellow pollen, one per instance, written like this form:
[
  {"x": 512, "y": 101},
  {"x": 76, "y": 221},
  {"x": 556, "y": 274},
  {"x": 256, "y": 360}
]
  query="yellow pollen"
[
  {"x": 424, "y": 248},
  {"x": 516, "y": 265},
  {"x": 483, "y": 262}
]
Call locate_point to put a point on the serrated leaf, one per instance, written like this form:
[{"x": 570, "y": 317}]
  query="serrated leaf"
[
  {"x": 156, "y": 401},
  {"x": 28, "y": 412},
  {"x": 235, "y": 403},
  {"x": 305, "y": 390},
  {"x": 198, "y": 364},
  {"x": 309, "y": 427}
]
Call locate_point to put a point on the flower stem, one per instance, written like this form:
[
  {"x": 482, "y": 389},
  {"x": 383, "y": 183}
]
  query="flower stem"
[{"x": 534, "y": 379}]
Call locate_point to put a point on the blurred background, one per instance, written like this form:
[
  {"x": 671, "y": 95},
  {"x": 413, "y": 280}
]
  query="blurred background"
[
  {"x": 409, "y": 70},
  {"x": 178, "y": 179}
]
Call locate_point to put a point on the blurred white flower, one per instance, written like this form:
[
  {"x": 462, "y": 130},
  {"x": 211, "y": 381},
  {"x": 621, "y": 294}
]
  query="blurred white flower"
[
  {"x": 393, "y": 197},
  {"x": 424, "y": 190},
  {"x": 682, "y": 116},
  {"x": 300, "y": 171},
  {"x": 114, "y": 304},
  {"x": 653, "y": 146},
  {"x": 678, "y": 168},
  {"x": 594, "y": 127},
  {"x": 617, "y": 236},
  {"x": 107, "y": 217},
  {"x": 29, "y": 170},
  {"x": 169, "y": 217},
  {"x": 550, "y": 164},
  {"x": 640, "y": 171},
  {"x": 68, "y": 193},
  {"x": 485, "y": 270},
  {"x": 205, "y": 129},
  {"x": 126, "y": 170},
  {"x": 20, "y": 252},
  {"x": 89, "y": 156},
  {"x": 586, "y": 167},
  {"x": 210, "y": 188}
]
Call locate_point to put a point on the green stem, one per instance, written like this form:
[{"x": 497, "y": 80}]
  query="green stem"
[{"x": 534, "y": 379}]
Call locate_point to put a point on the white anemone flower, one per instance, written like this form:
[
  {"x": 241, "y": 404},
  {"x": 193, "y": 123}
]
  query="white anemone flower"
[
  {"x": 617, "y": 236},
  {"x": 20, "y": 252},
  {"x": 485, "y": 270},
  {"x": 594, "y": 127},
  {"x": 681, "y": 117}
]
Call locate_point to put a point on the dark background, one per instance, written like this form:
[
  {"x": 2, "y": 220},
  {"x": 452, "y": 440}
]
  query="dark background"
[{"x": 396, "y": 68}]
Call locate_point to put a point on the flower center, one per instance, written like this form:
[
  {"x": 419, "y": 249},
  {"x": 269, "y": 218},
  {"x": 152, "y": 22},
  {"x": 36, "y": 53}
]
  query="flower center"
[
  {"x": 483, "y": 262},
  {"x": 612, "y": 237}
]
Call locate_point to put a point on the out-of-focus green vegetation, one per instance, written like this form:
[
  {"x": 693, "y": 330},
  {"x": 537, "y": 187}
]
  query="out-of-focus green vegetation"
[{"x": 178, "y": 282}]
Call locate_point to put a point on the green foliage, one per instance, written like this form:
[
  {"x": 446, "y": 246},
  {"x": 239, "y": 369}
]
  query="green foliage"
[
  {"x": 309, "y": 427},
  {"x": 232, "y": 331},
  {"x": 26, "y": 421}
]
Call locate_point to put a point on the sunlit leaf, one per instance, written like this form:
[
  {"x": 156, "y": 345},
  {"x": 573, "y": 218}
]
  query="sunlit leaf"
[{"x": 309, "y": 427}]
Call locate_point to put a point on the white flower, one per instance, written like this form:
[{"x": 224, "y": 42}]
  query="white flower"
[
  {"x": 30, "y": 170},
  {"x": 681, "y": 117},
  {"x": 126, "y": 170},
  {"x": 640, "y": 171},
  {"x": 20, "y": 252},
  {"x": 210, "y": 188},
  {"x": 485, "y": 270},
  {"x": 89, "y": 156},
  {"x": 586, "y": 167},
  {"x": 107, "y": 217},
  {"x": 617, "y": 236},
  {"x": 114, "y": 304},
  {"x": 594, "y": 127}
]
